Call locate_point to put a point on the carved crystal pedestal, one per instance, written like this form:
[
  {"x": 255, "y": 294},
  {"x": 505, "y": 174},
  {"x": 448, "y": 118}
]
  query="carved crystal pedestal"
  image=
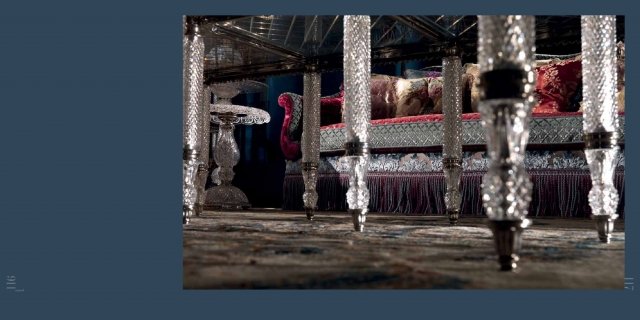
[
  {"x": 226, "y": 153},
  {"x": 506, "y": 48}
]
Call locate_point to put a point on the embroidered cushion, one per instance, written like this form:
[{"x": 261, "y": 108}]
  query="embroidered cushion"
[
  {"x": 415, "y": 96},
  {"x": 471, "y": 91},
  {"x": 435, "y": 93},
  {"x": 393, "y": 97},
  {"x": 556, "y": 84},
  {"x": 383, "y": 96}
]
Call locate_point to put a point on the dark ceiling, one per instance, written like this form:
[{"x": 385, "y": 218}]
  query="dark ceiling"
[{"x": 255, "y": 46}]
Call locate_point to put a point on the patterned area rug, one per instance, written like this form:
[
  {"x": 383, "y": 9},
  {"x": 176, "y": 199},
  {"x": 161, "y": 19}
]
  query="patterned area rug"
[{"x": 262, "y": 249}]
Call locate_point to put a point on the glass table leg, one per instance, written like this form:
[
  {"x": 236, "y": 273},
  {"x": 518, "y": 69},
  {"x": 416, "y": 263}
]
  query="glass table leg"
[
  {"x": 193, "y": 75},
  {"x": 311, "y": 141},
  {"x": 357, "y": 99},
  {"x": 506, "y": 48},
  {"x": 452, "y": 144},
  {"x": 203, "y": 167},
  {"x": 599, "y": 78}
]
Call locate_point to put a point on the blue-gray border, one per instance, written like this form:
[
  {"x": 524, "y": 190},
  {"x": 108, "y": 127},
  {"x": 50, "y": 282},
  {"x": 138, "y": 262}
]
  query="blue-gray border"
[{"x": 90, "y": 168}]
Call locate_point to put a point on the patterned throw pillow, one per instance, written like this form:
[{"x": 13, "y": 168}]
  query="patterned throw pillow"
[
  {"x": 415, "y": 96},
  {"x": 435, "y": 93},
  {"x": 556, "y": 83},
  {"x": 393, "y": 97},
  {"x": 472, "y": 91},
  {"x": 383, "y": 97},
  {"x": 470, "y": 81}
]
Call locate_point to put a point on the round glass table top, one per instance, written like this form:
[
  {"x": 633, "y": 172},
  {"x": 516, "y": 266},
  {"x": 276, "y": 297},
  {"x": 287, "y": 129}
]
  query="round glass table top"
[
  {"x": 228, "y": 90},
  {"x": 245, "y": 115}
]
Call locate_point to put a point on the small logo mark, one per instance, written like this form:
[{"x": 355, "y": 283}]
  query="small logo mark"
[
  {"x": 628, "y": 283},
  {"x": 11, "y": 284}
]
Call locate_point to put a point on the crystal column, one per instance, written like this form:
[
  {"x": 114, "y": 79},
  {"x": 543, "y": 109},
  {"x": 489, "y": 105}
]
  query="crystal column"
[
  {"x": 311, "y": 140},
  {"x": 599, "y": 79},
  {"x": 203, "y": 167},
  {"x": 193, "y": 75},
  {"x": 311, "y": 115},
  {"x": 357, "y": 111},
  {"x": 452, "y": 144},
  {"x": 506, "y": 48}
]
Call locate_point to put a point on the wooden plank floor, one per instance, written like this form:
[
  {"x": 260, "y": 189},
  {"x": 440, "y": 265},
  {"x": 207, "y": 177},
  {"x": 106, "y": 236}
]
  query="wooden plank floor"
[{"x": 278, "y": 249}]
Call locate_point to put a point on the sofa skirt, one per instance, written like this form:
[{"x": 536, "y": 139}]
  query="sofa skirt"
[{"x": 556, "y": 193}]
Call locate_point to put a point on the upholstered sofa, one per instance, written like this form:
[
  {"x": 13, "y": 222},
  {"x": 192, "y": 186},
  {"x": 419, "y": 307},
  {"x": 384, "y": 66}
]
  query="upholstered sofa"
[{"x": 405, "y": 171}]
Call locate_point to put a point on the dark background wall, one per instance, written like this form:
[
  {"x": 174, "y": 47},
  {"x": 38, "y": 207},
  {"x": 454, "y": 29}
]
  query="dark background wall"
[{"x": 260, "y": 172}]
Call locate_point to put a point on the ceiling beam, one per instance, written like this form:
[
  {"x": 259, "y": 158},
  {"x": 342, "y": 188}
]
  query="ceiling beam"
[
  {"x": 243, "y": 36},
  {"x": 426, "y": 27}
]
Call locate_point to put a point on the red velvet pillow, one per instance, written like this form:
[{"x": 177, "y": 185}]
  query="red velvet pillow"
[
  {"x": 330, "y": 110},
  {"x": 556, "y": 84}
]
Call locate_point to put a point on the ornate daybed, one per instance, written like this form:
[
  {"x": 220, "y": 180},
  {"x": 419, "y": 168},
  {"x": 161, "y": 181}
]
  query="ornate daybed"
[{"x": 406, "y": 169}]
